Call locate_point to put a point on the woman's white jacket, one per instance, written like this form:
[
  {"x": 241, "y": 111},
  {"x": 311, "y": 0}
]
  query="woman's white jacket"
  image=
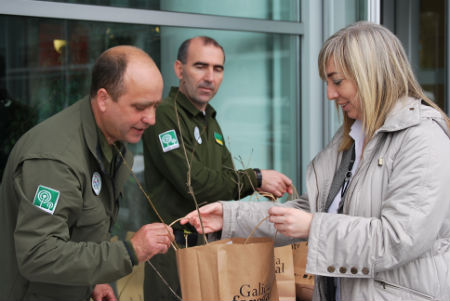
[{"x": 393, "y": 240}]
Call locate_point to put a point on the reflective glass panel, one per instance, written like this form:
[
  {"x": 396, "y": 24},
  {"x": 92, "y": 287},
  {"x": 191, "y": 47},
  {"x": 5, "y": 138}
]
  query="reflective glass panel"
[
  {"x": 45, "y": 66},
  {"x": 431, "y": 49},
  {"x": 281, "y": 10},
  {"x": 420, "y": 25}
]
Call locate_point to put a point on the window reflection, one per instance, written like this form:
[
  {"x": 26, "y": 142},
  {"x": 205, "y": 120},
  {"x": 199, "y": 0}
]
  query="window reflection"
[
  {"x": 431, "y": 50},
  {"x": 46, "y": 63},
  {"x": 281, "y": 10}
]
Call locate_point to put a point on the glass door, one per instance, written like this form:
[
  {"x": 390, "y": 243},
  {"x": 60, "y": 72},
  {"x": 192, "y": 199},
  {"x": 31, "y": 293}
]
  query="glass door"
[{"x": 421, "y": 26}]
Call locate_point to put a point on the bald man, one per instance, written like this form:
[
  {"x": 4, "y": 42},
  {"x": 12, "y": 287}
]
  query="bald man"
[{"x": 63, "y": 183}]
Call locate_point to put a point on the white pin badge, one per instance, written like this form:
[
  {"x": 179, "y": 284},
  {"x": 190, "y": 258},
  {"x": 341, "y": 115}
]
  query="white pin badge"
[
  {"x": 197, "y": 136},
  {"x": 96, "y": 183}
]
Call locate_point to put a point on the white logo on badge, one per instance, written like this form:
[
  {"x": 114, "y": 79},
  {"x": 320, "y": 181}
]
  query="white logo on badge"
[
  {"x": 96, "y": 183},
  {"x": 197, "y": 136},
  {"x": 46, "y": 198},
  {"x": 169, "y": 140}
]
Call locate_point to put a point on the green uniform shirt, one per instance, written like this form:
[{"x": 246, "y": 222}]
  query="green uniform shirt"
[
  {"x": 213, "y": 176},
  {"x": 57, "y": 205}
]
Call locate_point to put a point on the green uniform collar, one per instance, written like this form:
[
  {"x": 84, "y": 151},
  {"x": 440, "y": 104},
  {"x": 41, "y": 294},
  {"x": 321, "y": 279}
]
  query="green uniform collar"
[
  {"x": 107, "y": 149},
  {"x": 96, "y": 141},
  {"x": 109, "y": 155},
  {"x": 187, "y": 105},
  {"x": 89, "y": 126}
]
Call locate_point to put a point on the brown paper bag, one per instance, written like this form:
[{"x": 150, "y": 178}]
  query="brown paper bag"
[
  {"x": 228, "y": 269},
  {"x": 304, "y": 283},
  {"x": 284, "y": 272},
  {"x": 131, "y": 286}
]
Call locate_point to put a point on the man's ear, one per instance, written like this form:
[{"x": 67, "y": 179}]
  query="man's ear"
[
  {"x": 102, "y": 99},
  {"x": 178, "y": 68}
]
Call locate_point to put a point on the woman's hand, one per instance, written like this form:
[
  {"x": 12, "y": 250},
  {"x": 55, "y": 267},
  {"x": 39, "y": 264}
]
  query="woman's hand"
[
  {"x": 290, "y": 221},
  {"x": 212, "y": 218}
]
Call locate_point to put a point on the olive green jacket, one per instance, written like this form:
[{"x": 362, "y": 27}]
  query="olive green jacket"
[
  {"x": 212, "y": 173},
  {"x": 59, "y": 250}
]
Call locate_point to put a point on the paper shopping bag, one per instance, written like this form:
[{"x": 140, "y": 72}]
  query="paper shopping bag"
[
  {"x": 304, "y": 283},
  {"x": 130, "y": 287},
  {"x": 284, "y": 273},
  {"x": 229, "y": 269}
]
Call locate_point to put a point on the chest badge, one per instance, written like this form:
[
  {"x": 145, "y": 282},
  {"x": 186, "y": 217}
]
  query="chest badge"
[
  {"x": 218, "y": 138},
  {"x": 197, "y": 136},
  {"x": 169, "y": 140},
  {"x": 96, "y": 183}
]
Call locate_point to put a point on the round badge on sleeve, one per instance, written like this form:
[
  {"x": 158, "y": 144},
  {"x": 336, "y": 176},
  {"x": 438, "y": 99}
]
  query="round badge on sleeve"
[
  {"x": 197, "y": 136},
  {"x": 96, "y": 183}
]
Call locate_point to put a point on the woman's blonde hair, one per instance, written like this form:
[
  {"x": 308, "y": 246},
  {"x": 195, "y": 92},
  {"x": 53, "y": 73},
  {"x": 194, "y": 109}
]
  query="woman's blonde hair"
[{"x": 374, "y": 59}]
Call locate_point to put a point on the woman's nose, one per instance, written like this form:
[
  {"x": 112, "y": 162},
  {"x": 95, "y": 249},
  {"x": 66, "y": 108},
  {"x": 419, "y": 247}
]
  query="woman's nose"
[{"x": 331, "y": 93}]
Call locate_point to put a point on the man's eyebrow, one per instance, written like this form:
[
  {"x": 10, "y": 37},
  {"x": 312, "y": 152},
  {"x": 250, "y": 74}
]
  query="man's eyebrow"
[
  {"x": 206, "y": 64},
  {"x": 147, "y": 103},
  {"x": 201, "y": 63}
]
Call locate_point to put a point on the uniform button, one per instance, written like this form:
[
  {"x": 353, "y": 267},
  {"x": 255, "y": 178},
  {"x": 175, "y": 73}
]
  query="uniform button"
[
  {"x": 343, "y": 270},
  {"x": 365, "y": 271},
  {"x": 331, "y": 269},
  {"x": 354, "y": 270}
]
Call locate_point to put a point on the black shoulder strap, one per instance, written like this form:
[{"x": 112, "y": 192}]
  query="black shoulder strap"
[{"x": 348, "y": 158}]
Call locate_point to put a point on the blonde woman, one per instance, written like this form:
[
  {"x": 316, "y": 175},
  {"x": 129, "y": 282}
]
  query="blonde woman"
[{"x": 377, "y": 209}]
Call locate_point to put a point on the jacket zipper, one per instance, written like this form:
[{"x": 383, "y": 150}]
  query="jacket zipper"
[{"x": 414, "y": 292}]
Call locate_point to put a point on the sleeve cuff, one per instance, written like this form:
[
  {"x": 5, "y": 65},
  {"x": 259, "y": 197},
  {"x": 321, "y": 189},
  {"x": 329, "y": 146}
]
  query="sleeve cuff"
[
  {"x": 258, "y": 177},
  {"x": 131, "y": 252}
]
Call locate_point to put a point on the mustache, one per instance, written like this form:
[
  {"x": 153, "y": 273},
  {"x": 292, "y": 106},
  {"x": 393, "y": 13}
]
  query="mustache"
[{"x": 206, "y": 85}]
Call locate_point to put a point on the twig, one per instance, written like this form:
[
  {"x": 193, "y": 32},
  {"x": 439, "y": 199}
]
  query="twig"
[
  {"x": 189, "y": 184},
  {"x": 164, "y": 280},
  {"x": 174, "y": 244}
]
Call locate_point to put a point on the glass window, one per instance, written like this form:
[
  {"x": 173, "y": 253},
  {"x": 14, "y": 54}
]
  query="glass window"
[
  {"x": 46, "y": 63},
  {"x": 256, "y": 103},
  {"x": 420, "y": 25},
  {"x": 281, "y": 10},
  {"x": 431, "y": 49},
  {"x": 341, "y": 13}
]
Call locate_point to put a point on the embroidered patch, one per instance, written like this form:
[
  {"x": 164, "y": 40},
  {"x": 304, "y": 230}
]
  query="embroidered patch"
[
  {"x": 218, "y": 138},
  {"x": 169, "y": 140},
  {"x": 46, "y": 198},
  {"x": 197, "y": 136},
  {"x": 96, "y": 183}
]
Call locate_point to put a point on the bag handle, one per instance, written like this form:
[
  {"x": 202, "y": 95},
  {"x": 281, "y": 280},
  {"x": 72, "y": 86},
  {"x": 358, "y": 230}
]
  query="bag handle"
[
  {"x": 256, "y": 227},
  {"x": 295, "y": 195}
]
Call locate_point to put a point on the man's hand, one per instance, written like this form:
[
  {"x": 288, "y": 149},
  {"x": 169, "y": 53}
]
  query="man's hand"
[
  {"x": 275, "y": 183},
  {"x": 152, "y": 239},
  {"x": 212, "y": 217},
  {"x": 103, "y": 292},
  {"x": 291, "y": 222}
]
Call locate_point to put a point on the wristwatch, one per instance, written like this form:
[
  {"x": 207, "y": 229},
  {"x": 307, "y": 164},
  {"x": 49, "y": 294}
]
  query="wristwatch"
[{"x": 258, "y": 177}]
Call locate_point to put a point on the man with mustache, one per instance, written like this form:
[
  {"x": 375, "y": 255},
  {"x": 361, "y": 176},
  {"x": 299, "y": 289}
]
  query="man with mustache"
[{"x": 186, "y": 149}]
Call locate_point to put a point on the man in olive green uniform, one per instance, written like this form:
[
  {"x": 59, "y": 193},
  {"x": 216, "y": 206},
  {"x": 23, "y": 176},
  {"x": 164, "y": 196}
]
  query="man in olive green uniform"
[
  {"x": 187, "y": 131},
  {"x": 62, "y": 186}
]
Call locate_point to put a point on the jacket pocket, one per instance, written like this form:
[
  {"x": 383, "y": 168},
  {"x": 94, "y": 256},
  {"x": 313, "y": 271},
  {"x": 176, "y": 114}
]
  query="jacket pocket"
[
  {"x": 401, "y": 293},
  {"x": 93, "y": 224}
]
